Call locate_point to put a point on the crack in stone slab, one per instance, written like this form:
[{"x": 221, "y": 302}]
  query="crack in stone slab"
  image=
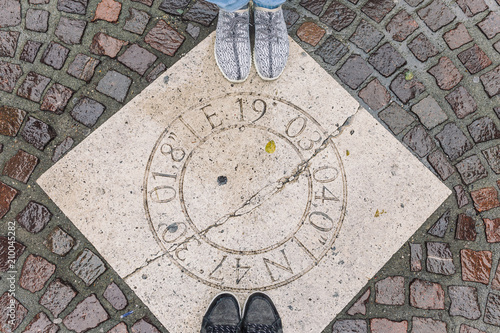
[
  {"x": 258, "y": 198},
  {"x": 157, "y": 255}
]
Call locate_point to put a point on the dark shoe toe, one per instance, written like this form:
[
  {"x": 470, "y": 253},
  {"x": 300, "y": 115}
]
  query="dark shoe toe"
[
  {"x": 223, "y": 315},
  {"x": 260, "y": 315}
]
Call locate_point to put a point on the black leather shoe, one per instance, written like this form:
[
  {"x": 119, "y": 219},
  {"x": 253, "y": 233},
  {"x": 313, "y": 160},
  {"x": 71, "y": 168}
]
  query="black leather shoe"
[
  {"x": 260, "y": 315},
  {"x": 223, "y": 315}
]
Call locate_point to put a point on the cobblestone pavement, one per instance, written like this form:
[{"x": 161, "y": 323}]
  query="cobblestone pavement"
[{"x": 428, "y": 70}]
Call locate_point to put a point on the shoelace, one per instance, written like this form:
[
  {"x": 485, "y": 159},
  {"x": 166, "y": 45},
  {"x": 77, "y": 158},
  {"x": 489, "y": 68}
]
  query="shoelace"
[
  {"x": 260, "y": 328},
  {"x": 234, "y": 31},
  {"x": 223, "y": 329},
  {"x": 271, "y": 31}
]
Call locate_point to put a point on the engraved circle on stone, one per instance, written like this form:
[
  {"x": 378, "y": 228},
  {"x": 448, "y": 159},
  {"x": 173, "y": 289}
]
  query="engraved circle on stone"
[
  {"x": 195, "y": 273},
  {"x": 249, "y": 169}
]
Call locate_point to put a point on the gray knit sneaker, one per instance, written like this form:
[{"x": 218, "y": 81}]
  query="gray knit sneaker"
[
  {"x": 271, "y": 42},
  {"x": 232, "y": 45}
]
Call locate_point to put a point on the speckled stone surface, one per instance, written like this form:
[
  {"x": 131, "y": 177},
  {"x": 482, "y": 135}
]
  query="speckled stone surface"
[{"x": 205, "y": 136}]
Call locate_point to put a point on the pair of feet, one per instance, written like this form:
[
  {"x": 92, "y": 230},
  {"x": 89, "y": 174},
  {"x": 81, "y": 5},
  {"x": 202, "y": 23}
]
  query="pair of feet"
[
  {"x": 232, "y": 43},
  {"x": 259, "y": 315}
]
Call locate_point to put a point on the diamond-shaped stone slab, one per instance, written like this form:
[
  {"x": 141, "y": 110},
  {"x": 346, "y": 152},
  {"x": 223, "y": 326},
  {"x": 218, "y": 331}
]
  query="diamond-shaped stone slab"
[{"x": 362, "y": 185}]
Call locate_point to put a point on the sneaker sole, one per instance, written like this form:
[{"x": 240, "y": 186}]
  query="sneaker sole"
[
  {"x": 261, "y": 76},
  {"x": 220, "y": 69}
]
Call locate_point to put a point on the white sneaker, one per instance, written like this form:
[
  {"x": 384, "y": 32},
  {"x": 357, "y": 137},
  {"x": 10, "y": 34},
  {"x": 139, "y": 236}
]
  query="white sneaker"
[
  {"x": 232, "y": 44},
  {"x": 271, "y": 42}
]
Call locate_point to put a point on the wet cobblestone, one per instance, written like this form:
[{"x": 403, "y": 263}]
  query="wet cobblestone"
[
  {"x": 83, "y": 67},
  {"x": 114, "y": 85},
  {"x": 381, "y": 325},
  {"x": 55, "y": 55},
  {"x": 137, "y": 58},
  {"x": 366, "y": 37},
  {"x": 492, "y": 229},
  {"x": 390, "y": 291},
  {"x": 37, "y": 20},
  {"x": 108, "y": 10},
  {"x": 485, "y": 198},
  {"x": 359, "y": 307},
  {"x": 62, "y": 148},
  {"x": 164, "y": 38},
  {"x": 440, "y": 258},
  {"x": 375, "y": 95},
  {"x": 491, "y": 82},
  {"x": 474, "y": 59},
  {"x": 419, "y": 141},
  {"x": 429, "y": 112},
  {"x": 331, "y": 51},
  {"x": 446, "y": 74},
  {"x": 386, "y": 60},
  {"x": 137, "y": 21},
  {"x": 457, "y": 36},
  {"x": 464, "y": 32},
  {"x": 354, "y": 71},
  {"x": 41, "y": 323},
  {"x": 70, "y": 31},
  {"x": 377, "y": 9},
  {"x": 88, "y": 314},
  {"x": 30, "y": 51},
  {"x": 338, "y": 16},
  {"x": 33, "y": 86},
  {"x": 88, "y": 266},
  {"x": 202, "y": 12},
  {"x": 476, "y": 265},
  {"x": 453, "y": 141},
  {"x": 492, "y": 312},
  {"x": 406, "y": 89},
  {"x": 436, "y": 15},
  {"x": 56, "y": 98},
  {"x": 439, "y": 228},
  {"x": 20, "y": 166},
  {"x": 471, "y": 169},
  {"x": 6, "y": 302},
  {"x": 462, "y": 198},
  {"x": 396, "y": 118},
  {"x": 11, "y": 120},
  {"x": 354, "y": 326},
  {"x": 423, "y": 325},
  {"x": 426, "y": 295},
  {"x": 401, "y": 26},
  {"x": 490, "y": 26},
  {"x": 36, "y": 272},
  {"x": 87, "y": 111},
  {"x": 57, "y": 296},
  {"x": 34, "y": 217},
  {"x": 416, "y": 255},
  {"x": 143, "y": 326},
  {"x": 115, "y": 296},
  {"x": 310, "y": 33},
  {"x": 16, "y": 252},
  {"x": 464, "y": 302},
  {"x": 38, "y": 133},
  {"x": 422, "y": 48},
  {"x": 59, "y": 242}
]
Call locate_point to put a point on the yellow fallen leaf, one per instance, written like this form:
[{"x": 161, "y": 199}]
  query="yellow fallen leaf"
[{"x": 271, "y": 147}]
